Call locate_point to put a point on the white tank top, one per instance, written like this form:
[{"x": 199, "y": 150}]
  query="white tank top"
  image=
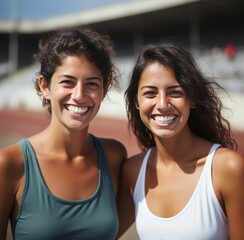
[{"x": 201, "y": 219}]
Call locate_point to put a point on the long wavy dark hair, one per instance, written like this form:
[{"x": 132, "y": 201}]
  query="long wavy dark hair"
[
  {"x": 64, "y": 42},
  {"x": 205, "y": 119}
]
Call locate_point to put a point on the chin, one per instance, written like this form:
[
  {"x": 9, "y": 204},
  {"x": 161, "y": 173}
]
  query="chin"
[{"x": 76, "y": 127}]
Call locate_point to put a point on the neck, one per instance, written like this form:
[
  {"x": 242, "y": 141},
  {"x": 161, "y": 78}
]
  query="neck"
[
  {"x": 70, "y": 143},
  {"x": 176, "y": 148}
]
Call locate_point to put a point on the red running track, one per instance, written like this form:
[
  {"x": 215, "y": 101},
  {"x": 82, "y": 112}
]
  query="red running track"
[
  {"x": 21, "y": 123},
  {"x": 25, "y": 123}
]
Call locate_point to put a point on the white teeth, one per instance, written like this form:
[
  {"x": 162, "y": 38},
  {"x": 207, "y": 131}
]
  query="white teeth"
[
  {"x": 77, "y": 110},
  {"x": 164, "y": 120}
]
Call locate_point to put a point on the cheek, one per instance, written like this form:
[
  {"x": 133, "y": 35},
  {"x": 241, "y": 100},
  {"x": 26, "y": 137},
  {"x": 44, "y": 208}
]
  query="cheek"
[
  {"x": 145, "y": 103},
  {"x": 144, "y": 113},
  {"x": 146, "y": 107},
  {"x": 97, "y": 96},
  {"x": 185, "y": 113},
  {"x": 59, "y": 95}
]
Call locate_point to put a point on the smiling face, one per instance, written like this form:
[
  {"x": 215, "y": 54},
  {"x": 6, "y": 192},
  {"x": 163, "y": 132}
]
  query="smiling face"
[
  {"x": 75, "y": 92},
  {"x": 163, "y": 104}
]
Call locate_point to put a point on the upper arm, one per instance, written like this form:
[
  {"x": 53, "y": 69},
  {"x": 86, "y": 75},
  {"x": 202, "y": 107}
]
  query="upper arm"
[
  {"x": 9, "y": 176},
  {"x": 232, "y": 191},
  {"x": 6, "y": 193}
]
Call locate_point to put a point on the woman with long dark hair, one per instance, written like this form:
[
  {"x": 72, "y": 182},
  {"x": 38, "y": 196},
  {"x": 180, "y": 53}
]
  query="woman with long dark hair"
[{"x": 187, "y": 183}]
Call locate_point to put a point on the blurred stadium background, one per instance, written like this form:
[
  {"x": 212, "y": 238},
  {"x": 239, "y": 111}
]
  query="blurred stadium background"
[{"x": 211, "y": 29}]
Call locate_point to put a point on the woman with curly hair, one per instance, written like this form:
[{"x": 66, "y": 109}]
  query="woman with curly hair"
[{"x": 61, "y": 183}]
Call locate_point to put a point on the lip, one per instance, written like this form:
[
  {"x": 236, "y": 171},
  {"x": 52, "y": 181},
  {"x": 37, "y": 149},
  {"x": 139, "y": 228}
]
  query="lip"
[
  {"x": 77, "y": 110},
  {"x": 164, "y": 120}
]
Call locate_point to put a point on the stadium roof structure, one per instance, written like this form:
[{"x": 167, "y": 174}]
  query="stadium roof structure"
[
  {"x": 28, "y": 16},
  {"x": 130, "y": 23},
  {"x": 33, "y": 16}
]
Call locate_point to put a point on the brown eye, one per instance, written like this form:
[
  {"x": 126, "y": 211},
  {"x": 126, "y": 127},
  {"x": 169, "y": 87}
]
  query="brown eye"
[
  {"x": 67, "y": 82},
  {"x": 176, "y": 94},
  {"x": 93, "y": 85},
  {"x": 149, "y": 94}
]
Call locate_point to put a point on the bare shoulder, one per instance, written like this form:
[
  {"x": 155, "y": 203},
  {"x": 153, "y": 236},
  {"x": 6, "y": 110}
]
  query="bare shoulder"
[
  {"x": 113, "y": 148},
  {"x": 228, "y": 171},
  {"x": 11, "y": 163},
  {"x": 115, "y": 153},
  {"x": 134, "y": 161},
  {"x": 131, "y": 169},
  {"x": 228, "y": 161},
  {"x": 11, "y": 158}
]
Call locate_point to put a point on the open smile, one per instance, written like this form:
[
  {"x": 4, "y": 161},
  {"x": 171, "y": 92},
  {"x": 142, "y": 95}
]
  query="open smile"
[
  {"x": 165, "y": 120},
  {"x": 77, "y": 110}
]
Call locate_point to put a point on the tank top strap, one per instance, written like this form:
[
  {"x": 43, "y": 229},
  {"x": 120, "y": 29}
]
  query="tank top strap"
[
  {"x": 206, "y": 176},
  {"x": 103, "y": 164},
  {"x": 205, "y": 179},
  {"x": 31, "y": 169},
  {"x": 30, "y": 161},
  {"x": 139, "y": 192},
  {"x": 211, "y": 153},
  {"x": 24, "y": 146}
]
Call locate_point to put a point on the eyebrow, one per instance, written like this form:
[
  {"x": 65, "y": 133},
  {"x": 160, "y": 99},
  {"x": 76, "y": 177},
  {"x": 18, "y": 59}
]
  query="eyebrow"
[
  {"x": 92, "y": 78},
  {"x": 153, "y": 87},
  {"x": 72, "y": 77},
  {"x": 66, "y": 76}
]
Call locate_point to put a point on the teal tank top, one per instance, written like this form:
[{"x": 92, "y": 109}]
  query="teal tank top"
[{"x": 43, "y": 216}]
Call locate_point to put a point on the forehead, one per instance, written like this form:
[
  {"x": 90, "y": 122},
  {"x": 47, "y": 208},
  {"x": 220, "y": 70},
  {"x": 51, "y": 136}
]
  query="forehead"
[
  {"x": 157, "y": 74},
  {"x": 78, "y": 64},
  {"x": 72, "y": 60}
]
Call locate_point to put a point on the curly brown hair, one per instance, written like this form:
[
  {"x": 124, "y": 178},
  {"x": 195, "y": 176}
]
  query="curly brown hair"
[{"x": 97, "y": 48}]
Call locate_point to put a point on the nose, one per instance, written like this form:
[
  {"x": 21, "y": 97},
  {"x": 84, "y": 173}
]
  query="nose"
[
  {"x": 78, "y": 93},
  {"x": 163, "y": 102}
]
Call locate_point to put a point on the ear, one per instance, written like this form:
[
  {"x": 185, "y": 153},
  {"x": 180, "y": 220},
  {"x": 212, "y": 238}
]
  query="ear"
[
  {"x": 193, "y": 104},
  {"x": 43, "y": 87},
  {"x": 137, "y": 105},
  {"x": 105, "y": 91},
  {"x": 104, "y": 94}
]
